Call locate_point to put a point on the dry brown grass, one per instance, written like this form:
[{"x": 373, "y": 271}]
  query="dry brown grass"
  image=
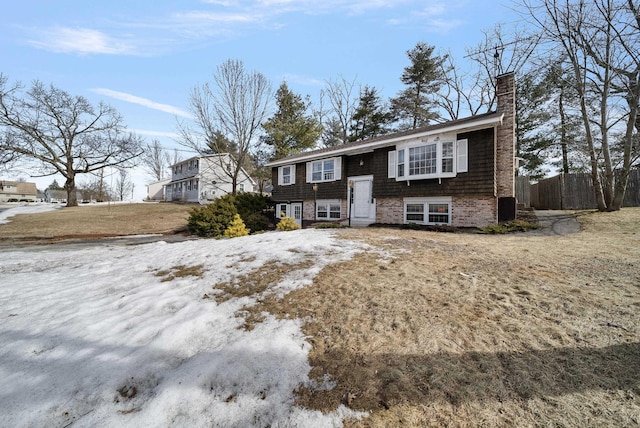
[
  {"x": 447, "y": 329},
  {"x": 470, "y": 330},
  {"x": 180, "y": 271},
  {"x": 98, "y": 221},
  {"x": 257, "y": 282}
]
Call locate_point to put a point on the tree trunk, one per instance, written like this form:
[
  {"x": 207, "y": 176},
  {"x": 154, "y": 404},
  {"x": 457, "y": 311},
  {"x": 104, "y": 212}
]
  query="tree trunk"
[
  {"x": 70, "y": 186},
  {"x": 633, "y": 99},
  {"x": 101, "y": 186},
  {"x": 597, "y": 185},
  {"x": 620, "y": 190},
  {"x": 234, "y": 183},
  {"x": 604, "y": 110},
  {"x": 563, "y": 134}
]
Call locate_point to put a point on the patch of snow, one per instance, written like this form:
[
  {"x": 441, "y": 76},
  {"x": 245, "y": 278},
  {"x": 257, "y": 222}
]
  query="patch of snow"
[
  {"x": 9, "y": 210},
  {"x": 95, "y": 337}
]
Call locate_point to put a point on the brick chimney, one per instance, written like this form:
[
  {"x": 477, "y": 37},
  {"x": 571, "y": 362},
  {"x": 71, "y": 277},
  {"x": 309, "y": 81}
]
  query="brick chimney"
[{"x": 506, "y": 138}]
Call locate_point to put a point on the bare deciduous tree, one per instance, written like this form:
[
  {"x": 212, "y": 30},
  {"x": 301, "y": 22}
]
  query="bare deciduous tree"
[
  {"x": 600, "y": 40},
  {"x": 124, "y": 185},
  {"x": 62, "y": 133},
  {"x": 342, "y": 96},
  {"x": 156, "y": 160},
  {"x": 463, "y": 93},
  {"x": 228, "y": 114},
  {"x": 474, "y": 92}
]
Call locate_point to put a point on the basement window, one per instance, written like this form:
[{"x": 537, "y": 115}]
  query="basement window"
[{"x": 430, "y": 211}]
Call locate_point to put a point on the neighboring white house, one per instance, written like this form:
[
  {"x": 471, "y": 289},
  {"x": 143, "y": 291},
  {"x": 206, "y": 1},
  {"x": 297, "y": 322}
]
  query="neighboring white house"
[
  {"x": 59, "y": 196},
  {"x": 156, "y": 190},
  {"x": 205, "y": 178}
]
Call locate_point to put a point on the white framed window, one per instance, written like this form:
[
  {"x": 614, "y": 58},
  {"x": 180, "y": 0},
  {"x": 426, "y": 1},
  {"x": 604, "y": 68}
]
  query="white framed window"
[
  {"x": 462, "y": 150},
  {"x": 324, "y": 170},
  {"x": 447, "y": 157},
  {"x": 435, "y": 211},
  {"x": 400, "y": 163},
  {"x": 328, "y": 210},
  {"x": 437, "y": 158},
  {"x": 287, "y": 175},
  {"x": 423, "y": 160},
  {"x": 414, "y": 213},
  {"x": 283, "y": 210},
  {"x": 241, "y": 187},
  {"x": 391, "y": 164}
]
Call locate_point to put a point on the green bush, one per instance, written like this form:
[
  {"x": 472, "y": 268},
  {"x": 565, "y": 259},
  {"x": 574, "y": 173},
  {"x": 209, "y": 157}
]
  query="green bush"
[
  {"x": 251, "y": 206},
  {"x": 212, "y": 219},
  {"x": 257, "y": 222},
  {"x": 287, "y": 224},
  {"x": 236, "y": 228}
]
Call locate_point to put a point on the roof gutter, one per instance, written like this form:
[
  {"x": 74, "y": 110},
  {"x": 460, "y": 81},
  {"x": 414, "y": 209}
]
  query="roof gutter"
[{"x": 487, "y": 122}]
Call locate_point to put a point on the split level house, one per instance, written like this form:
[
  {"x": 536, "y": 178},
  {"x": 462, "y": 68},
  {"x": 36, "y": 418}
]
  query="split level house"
[
  {"x": 459, "y": 173},
  {"x": 205, "y": 178}
]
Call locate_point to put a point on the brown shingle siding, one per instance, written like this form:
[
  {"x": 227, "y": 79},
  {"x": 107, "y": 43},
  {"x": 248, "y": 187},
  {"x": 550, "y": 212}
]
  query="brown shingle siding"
[
  {"x": 477, "y": 181},
  {"x": 302, "y": 190}
]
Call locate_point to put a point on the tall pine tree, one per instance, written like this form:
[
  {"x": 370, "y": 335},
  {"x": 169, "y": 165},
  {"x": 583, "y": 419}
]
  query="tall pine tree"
[
  {"x": 371, "y": 118},
  {"x": 413, "y": 106},
  {"x": 291, "y": 130}
]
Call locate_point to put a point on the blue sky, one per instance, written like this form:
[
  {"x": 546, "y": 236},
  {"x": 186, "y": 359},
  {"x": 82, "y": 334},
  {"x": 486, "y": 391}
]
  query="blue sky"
[{"x": 144, "y": 57}]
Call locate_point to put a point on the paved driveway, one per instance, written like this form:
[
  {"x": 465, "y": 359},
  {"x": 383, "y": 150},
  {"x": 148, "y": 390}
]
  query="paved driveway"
[{"x": 556, "y": 223}]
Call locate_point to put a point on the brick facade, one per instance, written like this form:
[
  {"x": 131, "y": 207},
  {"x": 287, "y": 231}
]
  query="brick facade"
[
  {"x": 473, "y": 212},
  {"x": 465, "y": 211},
  {"x": 309, "y": 213},
  {"x": 389, "y": 210}
]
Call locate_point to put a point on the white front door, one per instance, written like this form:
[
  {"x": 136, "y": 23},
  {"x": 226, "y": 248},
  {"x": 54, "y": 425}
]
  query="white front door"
[
  {"x": 362, "y": 209},
  {"x": 361, "y": 198},
  {"x": 296, "y": 211}
]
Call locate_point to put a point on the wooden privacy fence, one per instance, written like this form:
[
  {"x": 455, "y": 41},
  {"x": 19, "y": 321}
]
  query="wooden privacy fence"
[
  {"x": 575, "y": 192},
  {"x": 523, "y": 191}
]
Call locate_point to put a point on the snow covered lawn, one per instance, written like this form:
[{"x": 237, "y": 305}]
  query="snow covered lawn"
[
  {"x": 9, "y": 210},
  {"x": 103, "y": 336}
]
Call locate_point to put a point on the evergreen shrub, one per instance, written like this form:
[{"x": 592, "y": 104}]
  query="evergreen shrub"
[
  {"x": 212, "y": 219},
  {"x": 287, "y": 224},
  {"x": 251, "y": 206},
  {"x": 236, "y": 228}
]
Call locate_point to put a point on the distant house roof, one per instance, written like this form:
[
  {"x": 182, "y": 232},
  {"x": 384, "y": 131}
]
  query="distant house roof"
[
  {"x": 466, "y": 124},
  {"x": 160, "y": 182},
  {"x": 55, "y": 194},
  {"x": 21, "y": 187}
]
